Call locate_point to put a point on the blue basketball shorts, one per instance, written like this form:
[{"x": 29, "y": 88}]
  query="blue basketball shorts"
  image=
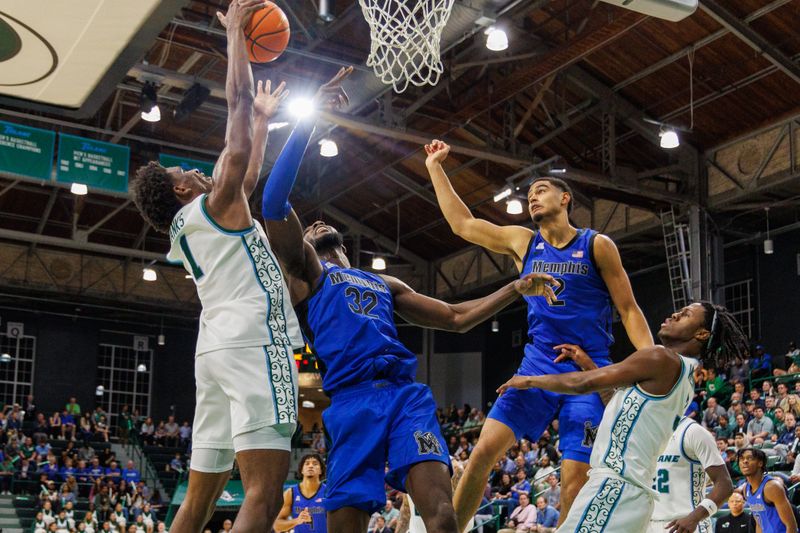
[
  {"x": 370, "y": 425},
  {"x": 529, "y": 412}
]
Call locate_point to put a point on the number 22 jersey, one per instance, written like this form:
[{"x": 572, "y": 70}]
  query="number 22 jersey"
[{"x": 349, "y": 320}]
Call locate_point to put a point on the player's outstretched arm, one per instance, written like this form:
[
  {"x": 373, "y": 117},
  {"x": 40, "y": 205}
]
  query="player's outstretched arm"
[
  {"x": 298, "y": 258},
  {"x": 723, "y": 487},
  {"x": 265, "y": 106},
  {"x": 646, "y": 367},
  {"x": 507, "y": 240},
  {"x": 619, "y": 287},
  {"x": 775, "y": 493},
  {"x": 432, "y": 313},
  {"x": 575, "y": 353},
  {"x": 226, "y": 203}
]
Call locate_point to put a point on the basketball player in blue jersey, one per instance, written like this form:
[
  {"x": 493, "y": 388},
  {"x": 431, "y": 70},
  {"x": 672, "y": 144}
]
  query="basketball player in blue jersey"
[
  {"x": 590, "y": 273},
  {"x": 765, "y": 495},
  {"x": 303, "y": 508},
  {"x": 378, "y": 414}
]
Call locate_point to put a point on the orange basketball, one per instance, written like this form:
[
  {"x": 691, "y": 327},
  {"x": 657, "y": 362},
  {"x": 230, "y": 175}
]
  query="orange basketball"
[{"x": 267, "y": 34}]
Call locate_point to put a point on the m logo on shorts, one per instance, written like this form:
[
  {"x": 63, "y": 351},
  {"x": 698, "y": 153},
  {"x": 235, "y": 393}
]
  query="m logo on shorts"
[
  {"x": 427, "y": 443},
  {"x": 589, "y": 434}
]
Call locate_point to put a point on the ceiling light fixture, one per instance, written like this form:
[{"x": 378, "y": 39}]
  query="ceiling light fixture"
[
  {"x": 496, "y": 39},
  {"x": 505, "y": 193},
  {"x": 148, "y": 103},
  {"x": 669, "y": 138},
  {"x": 149, "y": 274},
  {"x": 514, "y": 207},
  {"x": 378, "y": 263},
  {"x": 328, "y": 148},
  {"x": 495, "y": 325},
  {"x": 301, "y": 107},
  {"x": 79, "y": 189},
  {"x": 769, "y": 246}
]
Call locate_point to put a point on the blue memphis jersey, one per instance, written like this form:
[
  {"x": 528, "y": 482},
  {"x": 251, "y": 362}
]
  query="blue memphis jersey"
[
  {"x": 349, "y": 320},
  {"x": 765, "y": 513},
  {"x": 314, "y": 504},
  {"x": 582, "y": 313}
]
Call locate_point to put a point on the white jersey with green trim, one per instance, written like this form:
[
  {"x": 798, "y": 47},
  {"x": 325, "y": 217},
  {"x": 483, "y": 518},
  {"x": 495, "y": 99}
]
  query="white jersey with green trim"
[
  {"x": 681, "y": 477},
  {"x": 636, "y": 427},
  {"x": 240, "y": 284}
]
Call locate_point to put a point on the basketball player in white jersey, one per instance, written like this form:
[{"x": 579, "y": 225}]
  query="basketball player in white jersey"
[
  {"x": 244, "y": 365},
  {"x": 654, "y": 387},
  {"x": 683, "y": 469}
]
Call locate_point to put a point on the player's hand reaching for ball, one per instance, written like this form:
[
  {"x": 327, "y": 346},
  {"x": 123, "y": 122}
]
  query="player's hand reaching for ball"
[
  {"x": 537, "y": 285},
  {"x": 331, "y": 95},
  {"x": 437, "y": 152},
  {"x": 575, "y": 353},
  {"x": 266, "y": 103},
  {"x": 516, "y": 382},
  {"x": 239, "y": 13}
]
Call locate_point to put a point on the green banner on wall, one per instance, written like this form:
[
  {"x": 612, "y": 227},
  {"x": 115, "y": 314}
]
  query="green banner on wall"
[
  {"x": 97, "y": 164},
  {"x": 26, "y": 151},
  {"x": 206, "y": 167}
]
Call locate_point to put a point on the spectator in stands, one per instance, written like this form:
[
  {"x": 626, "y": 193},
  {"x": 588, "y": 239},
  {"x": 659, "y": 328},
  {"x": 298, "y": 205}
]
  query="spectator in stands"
[
  {"x": 89, "y": 521},
  {"x": 98, "y": 413},
  {"x": 147, "y": 431},
  {"x": 786, "y": 436},
  {"x": 544, "y": 470},
  {"x": 176, "y": 464},
  {"x": 693, "y": 411},
  {"x": 755, "y": 397},
  {"x": 553, "y": 493},
  {"x": 739, "y": 371},
  {"x": 741, "y": 424},
  {"x": 49, "y": 494},
  {"x": 791, "y": 405},
  {"x": 521, "y": 486},
  {"x": 67, "y": 471},
  {"x": 67, "y": 425},
  {"x": 464, "y": 445},
  {"x": 27, "y": 450},
  {"x": 101, "y": 428},
  {"x": 131, "y": 474},
  {"x": 96, "y": 471},
  {"x": 107, "y": 456},
  {"x": 14, "y": 420},
  {"x": 70, "y": 452},
  {"x": 760, "y": 363},
  {"x": 82, "y": 472},
  {"x": 85, "y": 429},
  {"x": 126, "y": 424},
  {"x": 172, "y": 432},
  {"x": 712, "y": 413},
  {"x": 185, "y": 434},
  {"x": 41, "y": 428},
  {"x": 769, "y": 408},
  {"x": 380, "y": 526},
  {"x": 55, "y": 425},
  {"x": 73, "y": 407},
  {"x": 545, "y": 448},
  {"x": 7, "y": 471},
  {"x": 502, "y": 491},
  {"x": 546, "y": 518},
  {"x": 149, "y": 519},
  {"x": 523, "y": 517},
  {"x": 160, "y": 434},
  {"x": 48, "y": 515},
  {"x": 716, "y": 387},
  {"x": 793, "y": 450},
  {"x": 51, "y": 467},
  {"x": 26, "y": 470},
  {"x": 390, "y": 515},
  {"x": 760, "y": 428},
  {"x": 723, "y": 429},
  {"x": 39, "y": 525},
  {"x": 113, "y": 472},
  {"x": 66, "y": 495},
  {"x": 119, "y": 517},
  {"x": 161, "y": 527}
]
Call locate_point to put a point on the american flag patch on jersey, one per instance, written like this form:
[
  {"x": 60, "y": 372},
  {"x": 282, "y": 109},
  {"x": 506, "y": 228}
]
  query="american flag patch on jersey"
[{"x": 578, "y": 254}]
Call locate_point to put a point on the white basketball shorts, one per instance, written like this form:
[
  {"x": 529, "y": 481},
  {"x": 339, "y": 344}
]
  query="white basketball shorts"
[{"x": 609, "y": 504}]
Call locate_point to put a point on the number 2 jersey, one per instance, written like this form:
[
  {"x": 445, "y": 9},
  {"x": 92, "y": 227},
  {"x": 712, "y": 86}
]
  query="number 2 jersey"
[
  {"x": 239, "y": 282},
  {"x": 349, "y": 320},
  {"x": 582, "y": 312}
]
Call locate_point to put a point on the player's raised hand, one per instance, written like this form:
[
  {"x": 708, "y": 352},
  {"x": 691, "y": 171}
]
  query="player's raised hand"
[
  {"x": 516, "y": 382},
  {"x": 437, "y": 152},
  {"x": 538, "y": 285},
  {"x": 332, "y": 95},
  {"x": 575, "y": 353},
  {"x": 266, "y": 103},
  {"x": 239, "y": 13}
]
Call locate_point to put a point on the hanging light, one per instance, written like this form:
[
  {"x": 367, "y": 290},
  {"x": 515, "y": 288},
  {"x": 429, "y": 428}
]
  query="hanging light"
[
  {"x": 326, "y": 10},
  {"x": 99, "y": 390},
  {"x": 162, "y": 339},
  {"x": 79, "y": 188},
  {"x": 378, "y": 263},
  {"x": 496, "y": 39},
  {"x": 5, "y": 358},
  {"x": 148, "y": 274},
  {"x": 141, "y": 368},
  {"x": 769, "y": 246},
  {"x": 669, "y": 138},
  {"x": 148, "y": 103},
  {"x": 495, "y": 325},
  {"x": 514, "y": 207},
  {"x": 328, "y": 148},
  {"x": 276, "y": 125},
  {"x": 501, "y": 195},
  {"x": 301, "y": 107}
]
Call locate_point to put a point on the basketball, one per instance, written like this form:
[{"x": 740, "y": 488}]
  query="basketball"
[{"x": 267, "y": 34}]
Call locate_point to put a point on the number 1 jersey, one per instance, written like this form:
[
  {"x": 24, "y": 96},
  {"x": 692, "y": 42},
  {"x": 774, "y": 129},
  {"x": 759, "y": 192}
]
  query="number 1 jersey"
[
  {"x": 349, "y": 320},
  {"x": 581, "y": 313}
]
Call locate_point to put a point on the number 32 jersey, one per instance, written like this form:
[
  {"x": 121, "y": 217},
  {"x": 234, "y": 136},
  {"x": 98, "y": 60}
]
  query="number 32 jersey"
[
  {"x": 349, "y": 320},
  {"x": 581, "y": 313}
]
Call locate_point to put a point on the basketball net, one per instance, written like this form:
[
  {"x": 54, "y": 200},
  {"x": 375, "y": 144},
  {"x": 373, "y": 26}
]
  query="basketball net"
[{"x": 406, "y": 37}]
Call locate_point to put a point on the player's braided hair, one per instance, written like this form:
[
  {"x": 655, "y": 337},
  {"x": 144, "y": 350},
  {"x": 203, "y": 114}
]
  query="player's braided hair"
[
  {"x": 727, "y": 341},
  {"x": 153, "y": 195}
]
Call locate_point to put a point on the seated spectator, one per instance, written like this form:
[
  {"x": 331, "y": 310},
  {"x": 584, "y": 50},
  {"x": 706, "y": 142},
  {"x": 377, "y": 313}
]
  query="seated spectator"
[
  {"x": 553, "y": 493},
  {"x": 149, "y": 519},
  {"x": 82, "y": 473},
  {"x": 73, "y": 407},
  {"x": 12, "y": 447},
  {"x": 39, "y": 525},
  {"x": 760, "y": 363},
  {"x": 546, "y": 518},
  {"x": 62, "y": 525},
  {"x": 48, "y": 515},
  {"x": 176, "y": 464},
  {"x": 522, "y": 486},
  {"x": 138, "y": 523},
  {"x": 161, "y": 527},
  {"x": 791, "y": 405},
  {"x": 716, "y": 387},
  {"x": 740, "y": 440},
  {"x": 90, "y": 522},
  {"x": 523, "y": 517},
  {"x": 131, "y": 474},
  {"x": 96, "y": 471},
  {"x": 540, "y": 477},
  {"x": 712, "y": 413},
  {"x": 147, "y": 431},
  {"x": 693, "y": 411},
  {"x": 49, "y": 493},
  {"x": 67, "y": 495},
  {"x": 173, "y": 436},
  {"x": 69, "y": 510},
  {"x": 98, "y": 413},
  {"x": 113, "y": 472},
  {"x": 14, "y": 421},
  {"x": 102, "y": 503},
  {"x": 67, "y": 470},
  {"x": 26, "y": 470},
  {"x": 185, "y": 433},
  {"x": 101, "y": 428},
  {"x": 380, "y": 526},
  {"x": 789, "y": 425},
  {"x": 160, "y": 434},
  {"x": 793, "y": 450},
  {"x": 464, "y": 445},
  {"x": 739, "y": 371},
  {"x": 86, "y": 452},
  {"x": 119, "y": 517},
  {"x": 107, "y": 456},
  {"x": 723, "y": 429},
  {"x": 85, "y": 428},
  {"x": 390, "y": 515},
  {"x": 126, "y": 424},
  {"x": 755, "y": 398},
  {"x": 7, "y": 472},
  {"x": 760, "y": 428},
  {"x": 546, "y": 448},
  {"x": 42, "y": 449},
  {"x": 55, "y": 425},
  {"x": 51, "y": 467}
]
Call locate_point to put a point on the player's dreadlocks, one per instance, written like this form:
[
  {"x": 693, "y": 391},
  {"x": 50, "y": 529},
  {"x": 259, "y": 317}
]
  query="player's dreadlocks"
[
  {"x": 153, "y": 195},
  {"x": 727, "y": 341}
]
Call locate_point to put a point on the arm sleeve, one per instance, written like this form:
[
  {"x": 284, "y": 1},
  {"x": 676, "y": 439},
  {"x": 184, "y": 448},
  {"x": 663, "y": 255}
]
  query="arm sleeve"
[
  {"x": 699, "y": 445},
  {"x": 275, "y": 201}
]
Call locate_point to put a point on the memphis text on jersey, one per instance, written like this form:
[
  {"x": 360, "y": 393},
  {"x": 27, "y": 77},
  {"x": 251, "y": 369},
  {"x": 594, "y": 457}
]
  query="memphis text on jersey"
[
  {"x": 567, "y": 267},
  {"x": 345, "y": 277}
]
